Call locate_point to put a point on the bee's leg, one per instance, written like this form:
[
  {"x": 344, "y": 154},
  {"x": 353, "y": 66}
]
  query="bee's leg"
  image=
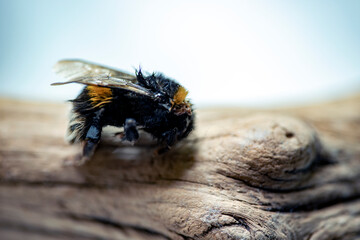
[
  {"x": 170, "y": 138},
  {"x": 92, "y": 136},
  {"x": 131, "y": 133}
]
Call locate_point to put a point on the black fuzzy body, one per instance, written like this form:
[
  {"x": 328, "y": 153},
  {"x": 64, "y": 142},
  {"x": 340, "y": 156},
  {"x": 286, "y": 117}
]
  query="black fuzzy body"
[{"x": 132, "y": 111}]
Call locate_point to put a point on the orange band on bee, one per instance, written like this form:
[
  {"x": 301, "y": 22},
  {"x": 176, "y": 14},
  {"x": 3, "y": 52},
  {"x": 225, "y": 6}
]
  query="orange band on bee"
[
  {"x": 180, "y": 95},
  {"x": 99, "y": 95}
]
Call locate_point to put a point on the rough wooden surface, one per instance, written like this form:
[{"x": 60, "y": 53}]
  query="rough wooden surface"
[{"x": 243, "y": 174}]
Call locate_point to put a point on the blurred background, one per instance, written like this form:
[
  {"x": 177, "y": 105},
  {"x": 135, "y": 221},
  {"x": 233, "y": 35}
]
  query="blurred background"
[{"x": 226, "y": 53}]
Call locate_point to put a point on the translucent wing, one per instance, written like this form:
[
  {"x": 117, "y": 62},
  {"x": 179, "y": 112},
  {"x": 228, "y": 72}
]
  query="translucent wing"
[{"x": 79, "y": 71}]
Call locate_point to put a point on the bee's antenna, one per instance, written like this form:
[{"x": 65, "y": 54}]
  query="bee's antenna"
[{"x": 138, "y": 71}]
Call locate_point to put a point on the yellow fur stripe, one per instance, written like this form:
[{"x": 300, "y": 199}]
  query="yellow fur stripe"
[
  {"x": 180, "y": 95},
  {"x": 99, "y": 95}
]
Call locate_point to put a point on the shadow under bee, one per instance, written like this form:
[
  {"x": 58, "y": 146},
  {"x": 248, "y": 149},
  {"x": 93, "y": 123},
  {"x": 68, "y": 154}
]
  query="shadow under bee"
[{"x": 115, "y": 162}]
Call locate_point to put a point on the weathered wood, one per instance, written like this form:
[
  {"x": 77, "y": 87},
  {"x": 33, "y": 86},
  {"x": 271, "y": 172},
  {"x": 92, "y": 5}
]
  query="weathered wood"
[{"x": 243, "y": 174}]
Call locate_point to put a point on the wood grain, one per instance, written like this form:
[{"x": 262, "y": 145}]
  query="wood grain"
[{"x": 243, "y": 174}]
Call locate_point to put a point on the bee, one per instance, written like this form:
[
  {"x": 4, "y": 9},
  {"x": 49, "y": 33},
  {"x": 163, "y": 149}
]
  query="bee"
[{"x": 149, "y": 102}]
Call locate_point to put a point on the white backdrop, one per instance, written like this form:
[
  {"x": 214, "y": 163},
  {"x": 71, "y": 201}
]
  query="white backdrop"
[{"x": 248, "y": 53}]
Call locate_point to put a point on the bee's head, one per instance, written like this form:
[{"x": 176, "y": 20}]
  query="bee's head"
[
  {"x": 179, "y": 104},
  {"x": 181, "y": 108}
]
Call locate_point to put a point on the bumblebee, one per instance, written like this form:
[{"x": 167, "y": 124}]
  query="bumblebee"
[{"x": 150, "y": 102}]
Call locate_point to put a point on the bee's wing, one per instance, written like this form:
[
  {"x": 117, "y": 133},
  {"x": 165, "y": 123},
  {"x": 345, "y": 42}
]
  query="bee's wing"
[
  {"x": 71, "y": 69},
  {"x": 79, "y": 71}
]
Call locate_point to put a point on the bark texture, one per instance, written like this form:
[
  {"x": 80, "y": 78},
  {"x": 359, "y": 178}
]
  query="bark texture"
[{"x": 243, "y": 174}]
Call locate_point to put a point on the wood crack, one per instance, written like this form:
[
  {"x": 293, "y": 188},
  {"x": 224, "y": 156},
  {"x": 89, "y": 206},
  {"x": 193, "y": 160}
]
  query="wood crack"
[
  {"x": 111, "y": 223},
  {"x": 314, "y": 206}
]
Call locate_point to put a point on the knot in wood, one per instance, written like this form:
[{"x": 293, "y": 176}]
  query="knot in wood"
[{"x": 269, "y": 151}]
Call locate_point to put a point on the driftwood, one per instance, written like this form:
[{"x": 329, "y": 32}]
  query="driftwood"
[{"x": 243, "y": 174}]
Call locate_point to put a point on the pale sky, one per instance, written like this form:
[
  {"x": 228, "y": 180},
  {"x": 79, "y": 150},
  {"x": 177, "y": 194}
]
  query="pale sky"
[{"x": 246, "y": 53}]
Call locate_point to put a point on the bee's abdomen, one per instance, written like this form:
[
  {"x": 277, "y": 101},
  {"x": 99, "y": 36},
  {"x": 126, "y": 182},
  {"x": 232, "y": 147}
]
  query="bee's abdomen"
[
  {"x": 77, "y": 127},
  {"x": 90, "y": 100}
]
